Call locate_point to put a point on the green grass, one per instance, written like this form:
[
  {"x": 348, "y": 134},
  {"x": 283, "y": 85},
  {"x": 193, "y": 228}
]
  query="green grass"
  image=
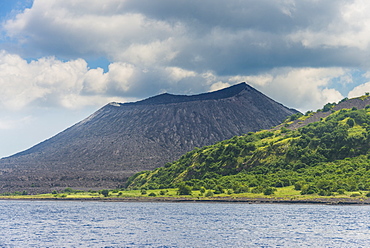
[{"x": 286, "y": 193}]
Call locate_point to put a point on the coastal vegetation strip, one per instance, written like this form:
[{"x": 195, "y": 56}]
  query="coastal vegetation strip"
[{"x": 280, "y": 195}]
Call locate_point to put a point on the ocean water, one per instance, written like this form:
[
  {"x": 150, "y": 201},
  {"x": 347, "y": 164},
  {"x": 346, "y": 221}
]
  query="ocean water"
[{"x": 123, "y": 224}]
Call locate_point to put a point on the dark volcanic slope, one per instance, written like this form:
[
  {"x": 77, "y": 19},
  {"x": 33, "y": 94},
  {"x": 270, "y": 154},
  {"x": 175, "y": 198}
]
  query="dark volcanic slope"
[{"x": 121, "y": 139}]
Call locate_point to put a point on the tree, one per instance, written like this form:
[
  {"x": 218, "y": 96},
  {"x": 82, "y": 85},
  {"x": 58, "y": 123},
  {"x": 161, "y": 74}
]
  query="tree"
[
  {"x": 350, "y": 122},
  {"x": 308, "y": 189},
  {"x": 184, "y": 189},
  {"x": 269, "y": 191},
  {"x": 219, "y": 190},
  {"x": 68, "y": 190},
  {"x": 202, "y": 190},
  {"x": 328, "y": 107},
  {"x": 104, "y": 192},
  {"x": 209, "y": 193}
]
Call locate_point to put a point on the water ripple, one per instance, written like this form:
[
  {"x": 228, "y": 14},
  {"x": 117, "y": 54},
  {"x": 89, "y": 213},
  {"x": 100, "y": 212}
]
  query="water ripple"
[{"x": 120, "y": 224}]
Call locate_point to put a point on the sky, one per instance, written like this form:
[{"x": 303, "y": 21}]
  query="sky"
[{"x": 61, "y": 60}]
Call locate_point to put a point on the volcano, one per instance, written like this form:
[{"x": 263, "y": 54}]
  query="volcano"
[{"x": 120, "y": 139}]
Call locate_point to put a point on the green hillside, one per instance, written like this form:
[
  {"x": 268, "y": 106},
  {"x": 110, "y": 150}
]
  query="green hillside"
[{"x": 330, "y": 155}]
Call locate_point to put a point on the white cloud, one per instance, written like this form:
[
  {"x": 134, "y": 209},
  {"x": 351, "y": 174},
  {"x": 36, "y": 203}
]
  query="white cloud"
[
  {"x": 149, "y": 54},
  {"x": 305, "y": 88},
  {"x": 92, "y": 28},
  {"x": 176, "y": 74},
  {"x": 51, "y": 82},
  {"x": 259, "y": 80},
  {"x": 119, "y": 76},
  {"x": 154, "y": 50},
  {"x": 348, "y": 29},
  {"x": 228, "y": 38},
  {"x": 301, "y": 88},
  {"x": 219, "y": 85},
  {"x": 360, "y": 90},
  {"x": 95, "y": 81}
]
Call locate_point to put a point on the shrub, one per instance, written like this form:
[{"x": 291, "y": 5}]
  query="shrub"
[
  {"x": 308, "y": 190},
  {"x": 341, "y": 191},
  {"x": 68, "y": 190},
  {"x": 350, "y": 122},
  {"x": 202, "y": 190},
  {"x": 368, "y": 194},
  {"x": 143, "y": 191},
  {"x": 325, "y": 193},
  {"x": 269, "y": 191},
  {"x": 328, "y": 107},
  {"x": 104, "y": 192},
  {"x": 355, "y": 195},
  {"x": 284, "y": 130},
  {"x": 219, "y": 190},
  {"x": 257, "y": 190},
  {"x": 299, "y": 185},
  {"x": 241, "y": 189},
  {"x": 152, "y": 194},
  {"x": 209, "y": 193},
  {"x": 184, "y": 189}
]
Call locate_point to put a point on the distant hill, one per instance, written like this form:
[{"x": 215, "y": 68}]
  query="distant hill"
[
  {"x": 119, "y": 140},
  {"x": 295, "y": 122},
  {"x": 320, "y": 152}
]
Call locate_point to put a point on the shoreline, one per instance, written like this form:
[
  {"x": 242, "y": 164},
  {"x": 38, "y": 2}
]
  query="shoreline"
[{"x": 322, "y": 201}]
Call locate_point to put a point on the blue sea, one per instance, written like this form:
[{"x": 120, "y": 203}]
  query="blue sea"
[{"x": 126, "y": 224}]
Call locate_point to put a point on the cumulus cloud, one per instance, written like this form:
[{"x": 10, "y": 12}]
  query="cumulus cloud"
[
  {"x": 176, "y": 74},
  {"x": 226, "y": 37},
  {"x": 348, "y": 28},
  {"x": 88, "y": 28},
  {"x": 303, "y": 88},
  {"x": 51, "y": 82},
  {"x": 183, "y": 47},
  {"x": 359, "y": 90},
  {"x": 72, "y": 84},
  {"x": 218, "y": 86}
]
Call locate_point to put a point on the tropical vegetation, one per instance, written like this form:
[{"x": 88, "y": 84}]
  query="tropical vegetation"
[{"x": 327, "y": 157}]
